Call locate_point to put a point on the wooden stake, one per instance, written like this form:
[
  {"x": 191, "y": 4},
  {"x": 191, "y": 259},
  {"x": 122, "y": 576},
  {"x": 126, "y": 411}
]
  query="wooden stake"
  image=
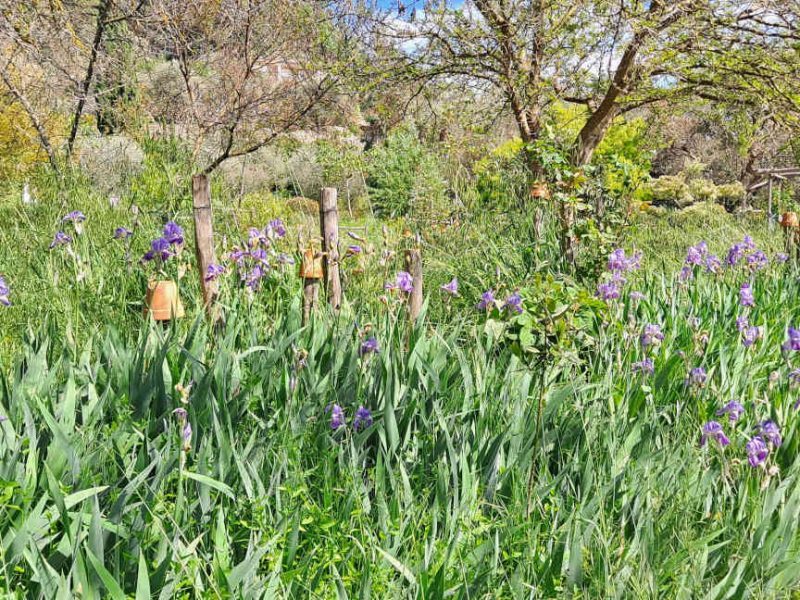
[
  {"x": 310, "y": 297},
  {"x": 204, "y": 242},
  {"x": 769, "y": 204},
  {"x": 329, "y": 228},
  {"x": 414, "y": 267}
]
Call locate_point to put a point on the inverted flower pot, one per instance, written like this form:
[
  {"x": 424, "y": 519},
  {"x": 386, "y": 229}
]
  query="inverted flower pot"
[
  {"x": 162, "y": 301},
  {"x": 790, "y": 220},
  {"x": 311, "y": 267}
]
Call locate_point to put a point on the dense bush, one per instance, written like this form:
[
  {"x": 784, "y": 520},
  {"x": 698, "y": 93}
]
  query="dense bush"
[{"x": 403, "y": 176}]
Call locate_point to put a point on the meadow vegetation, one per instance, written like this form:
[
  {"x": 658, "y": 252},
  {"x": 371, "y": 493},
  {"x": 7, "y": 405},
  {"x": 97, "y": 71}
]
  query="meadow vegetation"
[{"x": 600, "y": 396}]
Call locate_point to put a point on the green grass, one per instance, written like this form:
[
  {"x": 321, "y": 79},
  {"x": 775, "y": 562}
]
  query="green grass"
[{"x": 488, "y": 472}]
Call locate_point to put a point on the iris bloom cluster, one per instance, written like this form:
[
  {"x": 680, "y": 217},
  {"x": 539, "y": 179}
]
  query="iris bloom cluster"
[
  {"x": 5, "y": 291},
  {"x": 252, "y": 261},
  {"x": 168, "y": 245},
  {"x": 361, "y": 420},
  {"x": 618, "y": 265},
  {"x": 402, "y": 282}
]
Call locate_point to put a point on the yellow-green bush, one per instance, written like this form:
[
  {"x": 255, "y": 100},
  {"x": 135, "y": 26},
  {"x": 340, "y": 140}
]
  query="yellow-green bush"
[{"x": 20, "y": 148}]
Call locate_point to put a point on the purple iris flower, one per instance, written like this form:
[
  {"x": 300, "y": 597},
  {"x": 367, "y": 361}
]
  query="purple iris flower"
[
  {"x": 607, "y": 291},
  {"x": 713, "y": 264},
  {"x": 159, "y": 248},
  {"x": 513, "y": 303},
  {"x": 751, "y": 335},
  {"x": 617, "y": 260},
  {"x": 794, "y": 378},
  {"x": 186, "y": 434},
  {"x": 404, "y": 282},
  {"x": 4, "y": 292},
  {"x": 697, "y": 376},
  {"x": 363, "y": 419},
  {"x": 237, "y": 256},
  {"x": 487, "y": 300},
  {"x": 781, "y": 257},
  {"x": 354, "y": 249},
  {"x": 651, "y": 336},
  {"x": 75, "y": 216},
  {"x": 636, "y": 296},
  {"x": 276, "y": 228},
  {"x": 757, "y": 451},
  {"x": 748, "y": 243},
  {"x": 213, "y": 272},
  {"x": 742, "y": 323},
  {"x": 735, "y": 254},
  {"x": 713, "y": 430},
  {"x": 757, "y": 260},
  {"x": 337, "y": 416},
  {"x": 770, "y": 430},
  {"x": 746, "y": 295},
  {"x": 173, "y": 233},
  {"x": 180, "y": 413},
  {"x": 686, "y": 274},
  {"x": 260, "y": 255},
  {"x": 122, "y": 233},
  {"x": 452, "y": 287},
  {"x": 793, "y": 343},
  {"x": 255, "y": 237},
  {"x": 733, "y": 409},
  {"x": 368, "y": 346},
  {"x": 60, "y": 239},
  {"x": 694, "y": 255},
  {"x": 254, "y": 276},
  {"x": 619, "y": 263},
  {"x": 646, "y": 366}
]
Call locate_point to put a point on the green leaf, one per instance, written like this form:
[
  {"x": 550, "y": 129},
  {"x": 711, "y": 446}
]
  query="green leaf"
[
  {"x": 212, "y": 483},
  {"x": 142, "y": 579},
  {"x": 112, "y": 587}
]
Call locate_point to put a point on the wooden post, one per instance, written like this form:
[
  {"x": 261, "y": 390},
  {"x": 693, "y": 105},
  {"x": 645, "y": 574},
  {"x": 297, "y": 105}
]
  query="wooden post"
[
  {"x": 311, "y": 273},
  {"x": 414, "y": 267},
  {"x": 329, "y": 228},
  {"x": 769, "y": 204},
  {"x": 310, "y": 296},
  {"x": 204, "y": 242}
]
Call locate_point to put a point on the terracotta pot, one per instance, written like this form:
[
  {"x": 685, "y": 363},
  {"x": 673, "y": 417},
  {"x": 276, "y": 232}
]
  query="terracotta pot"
[
  {"x": 162, "y": 301},
  {"x": 790, "y": 219},
  {"x": 311, "y": 267},
  {"x": 540, "y": 191}
]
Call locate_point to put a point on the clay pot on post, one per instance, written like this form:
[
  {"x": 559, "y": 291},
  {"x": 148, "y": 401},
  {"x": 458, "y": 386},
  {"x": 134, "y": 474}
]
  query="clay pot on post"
[
  {"x": 789, "y": 220},
  {"x": 540, "y": 191},
  {"x": 311, "y": 273},
  {"x": 791, "y": 231},
  {"x": 162, "y": 301}
]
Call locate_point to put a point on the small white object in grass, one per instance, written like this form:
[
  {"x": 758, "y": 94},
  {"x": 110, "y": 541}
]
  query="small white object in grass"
[{"x": 26, "y": 194}]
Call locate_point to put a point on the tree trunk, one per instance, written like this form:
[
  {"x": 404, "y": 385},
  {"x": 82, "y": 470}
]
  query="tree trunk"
[
  {"x": 601, "y": 118},
  {"x": 102, "y": 12}
]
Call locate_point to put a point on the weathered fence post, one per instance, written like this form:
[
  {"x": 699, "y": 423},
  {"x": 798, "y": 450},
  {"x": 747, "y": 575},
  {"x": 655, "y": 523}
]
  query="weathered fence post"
[
  {"x": 769, "y": 205},
  {"x": 204, "y": 242},
  {"x": 414, "y": 268},
  {"x": 329, "y": 228}
]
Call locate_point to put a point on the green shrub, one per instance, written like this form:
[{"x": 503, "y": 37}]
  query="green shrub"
[
  {"x": 703, "y": 190},
  {"x": 502, "y": 175},
  {"x": 671, "y": 189},
  {"x": 731, "y": 194},
  {"x": 404, "y": 176}
]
